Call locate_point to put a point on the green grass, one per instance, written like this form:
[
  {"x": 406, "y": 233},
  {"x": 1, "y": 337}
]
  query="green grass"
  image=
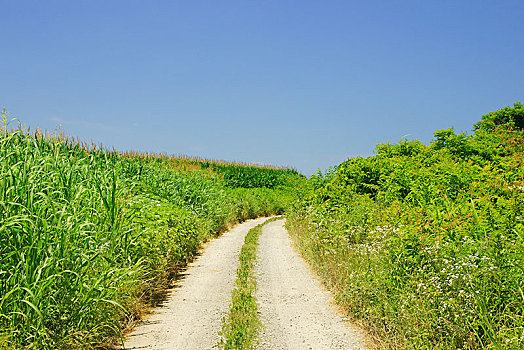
[
  {"x": 88, "y": 236},
  {"x": 240, "y": 329}
]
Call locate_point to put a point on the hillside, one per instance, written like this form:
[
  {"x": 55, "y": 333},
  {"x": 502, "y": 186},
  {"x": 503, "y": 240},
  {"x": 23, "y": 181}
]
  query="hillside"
[{"x": 422, "y": 244}]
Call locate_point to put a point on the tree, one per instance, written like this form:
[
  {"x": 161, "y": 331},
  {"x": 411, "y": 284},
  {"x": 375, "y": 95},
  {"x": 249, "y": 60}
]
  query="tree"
[{"x": 514, "y": 116}]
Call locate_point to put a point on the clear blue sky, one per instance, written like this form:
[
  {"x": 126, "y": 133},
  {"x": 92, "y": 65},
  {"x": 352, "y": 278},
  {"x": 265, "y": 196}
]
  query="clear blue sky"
[{"x": 300, "y": 83}]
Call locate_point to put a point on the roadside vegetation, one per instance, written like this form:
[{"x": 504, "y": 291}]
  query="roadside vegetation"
[
  {"x": 241, "y": 327},
  {"x": 424, "y": 244},
  {"x": 89, "y": 236}
]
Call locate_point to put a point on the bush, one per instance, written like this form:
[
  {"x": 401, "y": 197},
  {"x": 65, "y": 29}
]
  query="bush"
[{"x": 424, "y": 244}]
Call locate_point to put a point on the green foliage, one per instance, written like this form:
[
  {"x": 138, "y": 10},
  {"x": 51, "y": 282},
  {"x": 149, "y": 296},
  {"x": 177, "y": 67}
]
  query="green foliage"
[
  {"x": 89, "y": 235},
  {"x": 458, "y": 145},
  {"x": 252, "y": 176},
  {"x": 425, "y": 243},
  {"x": 512, "y": 116}
]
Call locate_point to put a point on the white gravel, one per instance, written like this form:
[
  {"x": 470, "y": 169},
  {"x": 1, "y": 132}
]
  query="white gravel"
[
  {"x": 296, "y": 312},
  {"x": 191, "y": 318}
]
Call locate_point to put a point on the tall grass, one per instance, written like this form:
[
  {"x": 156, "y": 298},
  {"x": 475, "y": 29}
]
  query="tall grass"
[
  {"x": 63, "y": 240},
  {"x": 87, "y": 234}
]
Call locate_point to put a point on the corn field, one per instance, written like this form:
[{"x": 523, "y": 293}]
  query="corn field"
[{"x": 87, "y": 235}]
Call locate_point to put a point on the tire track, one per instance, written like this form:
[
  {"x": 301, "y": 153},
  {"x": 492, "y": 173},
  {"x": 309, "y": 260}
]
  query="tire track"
[{"x": 296, "y": 312}]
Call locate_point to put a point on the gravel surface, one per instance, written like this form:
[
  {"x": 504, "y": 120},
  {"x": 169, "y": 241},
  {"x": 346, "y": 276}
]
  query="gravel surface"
[
  {"x": 296, "y": 312},
  {"x": 192, "y": 315}
]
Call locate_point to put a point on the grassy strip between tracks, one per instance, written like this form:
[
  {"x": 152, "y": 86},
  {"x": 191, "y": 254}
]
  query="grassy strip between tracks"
[{"x": 241, "y": 326}]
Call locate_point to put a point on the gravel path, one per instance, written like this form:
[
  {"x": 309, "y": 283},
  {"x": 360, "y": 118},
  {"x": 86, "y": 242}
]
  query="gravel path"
[
  {"x": 296, "y": 312},
  {"x": 192, "y": 316}
]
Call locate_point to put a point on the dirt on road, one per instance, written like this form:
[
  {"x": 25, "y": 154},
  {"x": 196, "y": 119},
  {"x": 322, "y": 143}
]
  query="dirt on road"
[
  {"x": 295, "y": 310},
  {"x": 191, "y": 318}
]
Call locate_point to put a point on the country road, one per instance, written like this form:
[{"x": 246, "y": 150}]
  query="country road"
[{"x": 295, "y": 311}]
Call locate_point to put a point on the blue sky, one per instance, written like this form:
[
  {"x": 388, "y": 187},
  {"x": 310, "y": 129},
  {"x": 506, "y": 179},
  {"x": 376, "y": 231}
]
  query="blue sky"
[{"x": 300, "y": 83}]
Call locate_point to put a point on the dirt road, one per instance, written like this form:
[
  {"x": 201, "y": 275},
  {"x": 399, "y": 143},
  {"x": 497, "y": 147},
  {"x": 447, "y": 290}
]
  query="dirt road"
[
  {"x": 192, "y": 316},
  {"x": 296, "y": 312}
]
